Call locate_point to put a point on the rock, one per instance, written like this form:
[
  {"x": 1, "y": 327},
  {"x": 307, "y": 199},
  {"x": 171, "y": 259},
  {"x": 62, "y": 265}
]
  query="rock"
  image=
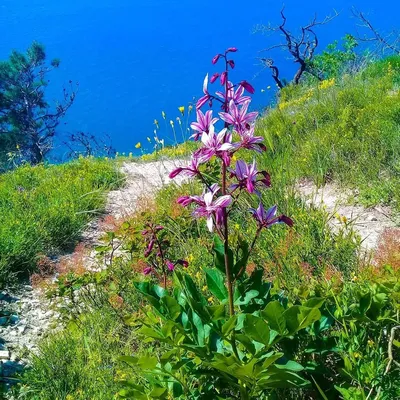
[{"x": 4, "y": 355}]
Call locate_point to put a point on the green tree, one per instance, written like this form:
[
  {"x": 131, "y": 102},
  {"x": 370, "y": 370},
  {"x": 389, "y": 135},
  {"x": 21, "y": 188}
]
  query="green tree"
[{"x": 27, "y": 121}]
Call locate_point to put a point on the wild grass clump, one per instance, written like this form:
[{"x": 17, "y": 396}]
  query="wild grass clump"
[{"x": 44, "y": 208}]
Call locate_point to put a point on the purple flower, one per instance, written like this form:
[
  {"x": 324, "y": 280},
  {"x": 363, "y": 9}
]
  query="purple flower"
[
  {"x": 203, "y": 124},
  {"x": 215, "y": 145},
  {"x": 147, "y": 270},
  {"x": 170, "y": 265},
  {"x": 190, "y": 170},
  {"x": 238, "y": 117},
  {"x": 246, "y": 85},
  {"x": 236, "y": 96},
  {"x": 265, "y": 219},
  {"x": 251, "y": 142},
  {"x": 203, "y": 100},
  {"x": 209, "y": 207},
  {"x": 246, "y": 175}
]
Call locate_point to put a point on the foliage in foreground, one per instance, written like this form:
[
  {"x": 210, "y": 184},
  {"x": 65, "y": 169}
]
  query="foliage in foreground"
[{"x": 44, "y": 208}]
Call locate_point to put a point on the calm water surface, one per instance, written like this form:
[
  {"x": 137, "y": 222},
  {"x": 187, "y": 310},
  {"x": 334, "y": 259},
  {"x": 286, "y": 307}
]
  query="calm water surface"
[{"x": 134, "y": 59}]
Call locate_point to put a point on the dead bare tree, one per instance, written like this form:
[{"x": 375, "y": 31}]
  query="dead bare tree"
[
  {"x": 86, "y": 144},
  {"x": 301, "y": 47},
  {"x": 390, "y": 42}
]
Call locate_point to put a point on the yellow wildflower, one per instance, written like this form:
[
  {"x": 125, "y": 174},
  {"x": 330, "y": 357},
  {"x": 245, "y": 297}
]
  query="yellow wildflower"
[
  {"x": 204, "y": 288},
  {"x": 163, "y": 114},
  {"x": 138, "y": 145},
  {"x": 156, "y": 124},
  {"x": 182, "y": 110},
  {"x": 148, "y": 139}
]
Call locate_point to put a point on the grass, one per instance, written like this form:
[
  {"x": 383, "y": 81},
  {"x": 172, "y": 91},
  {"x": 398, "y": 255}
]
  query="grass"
[
  {"x": 43, "y": 209},
  {"x": 346, "y": 130}
]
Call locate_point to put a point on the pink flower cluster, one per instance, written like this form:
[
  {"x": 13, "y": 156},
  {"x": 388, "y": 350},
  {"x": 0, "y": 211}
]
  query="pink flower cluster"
[{"x": 238, "y": 132}]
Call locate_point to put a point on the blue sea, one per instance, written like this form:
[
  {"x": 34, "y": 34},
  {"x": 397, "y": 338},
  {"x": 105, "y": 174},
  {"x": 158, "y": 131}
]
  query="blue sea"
[{"x": 134, "y": 59}]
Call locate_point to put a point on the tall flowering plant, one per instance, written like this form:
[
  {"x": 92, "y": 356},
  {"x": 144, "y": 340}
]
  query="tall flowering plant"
[
  {"x": 237, "y": 132},
  {"x": 214, "y": 354}
]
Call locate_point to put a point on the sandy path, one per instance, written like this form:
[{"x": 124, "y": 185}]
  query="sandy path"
[{"x": 369, "y": 223}]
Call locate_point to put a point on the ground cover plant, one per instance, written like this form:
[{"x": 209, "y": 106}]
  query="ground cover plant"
[{"x": 44, "y": 208}]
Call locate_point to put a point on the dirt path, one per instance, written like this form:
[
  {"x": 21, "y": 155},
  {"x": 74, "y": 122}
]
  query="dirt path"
[{"x": 369, "y": 223}]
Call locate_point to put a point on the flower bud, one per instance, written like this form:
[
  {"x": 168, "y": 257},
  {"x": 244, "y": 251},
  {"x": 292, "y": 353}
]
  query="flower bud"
[
  {"x": 147, "y": 270},
  {"x": 246, "y": 85},
  {"x": 184, "y": 263},
  {"x": 216, "y": 58},
  {"x": 223, "y": 78},
  {"x": 231, "y": 50},
  {"x": 170, "y": 265},
  {"x": 214, "y": 77},
  {"x": 231, "y": 63}
]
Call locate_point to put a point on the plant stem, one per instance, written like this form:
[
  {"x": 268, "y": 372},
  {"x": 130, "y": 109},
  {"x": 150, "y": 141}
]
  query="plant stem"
[
  {"x": 225, "y": 213},
  {"x": 226, "y": 247}
]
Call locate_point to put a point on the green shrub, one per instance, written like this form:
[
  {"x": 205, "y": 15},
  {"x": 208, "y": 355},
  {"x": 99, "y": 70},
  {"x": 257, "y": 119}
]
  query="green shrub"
[{"x": 43, "y": 209}]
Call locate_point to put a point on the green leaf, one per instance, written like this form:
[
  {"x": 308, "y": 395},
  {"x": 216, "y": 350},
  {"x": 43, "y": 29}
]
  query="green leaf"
[
  {"x": 315, "y": 302},
  {"x": 246, "y": 342},
  {"x": 219, "y": 251},
  {"x": 273, "y": 313},
  {"x": 256, "y": 328},
  {"x": 365, "y": 303},
  {"x": 132, "y": 361},
  {"x": 229, "y": 325},
  {"x": 216, "y": 284},
  {"x": 171, "y": 306},
  {"x": 157, "y": 392},
  {"x": 242, "y": 261},
  {"x": 244, "y": 300},
  {"x": 299, "y": 317},
  {"x": 216, "y": 312},
  {"x": 291, "y": 366},
  {"x": 321, "y": 392}
]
